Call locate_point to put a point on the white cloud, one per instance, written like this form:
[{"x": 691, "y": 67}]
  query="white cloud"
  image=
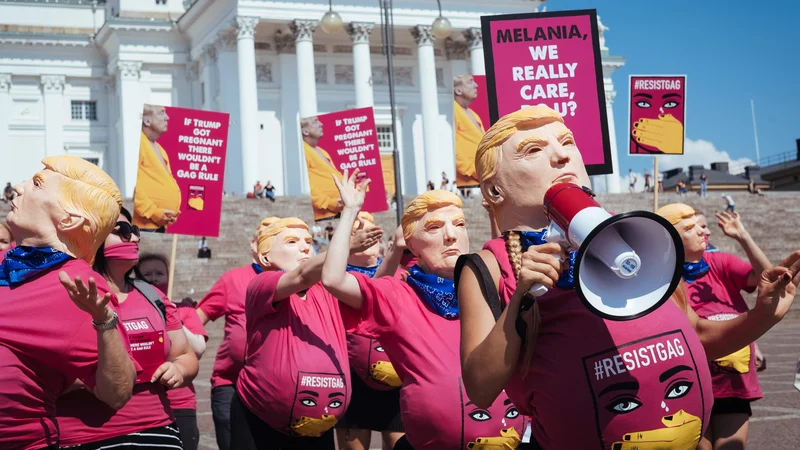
[{"x": 701, "y": 152}]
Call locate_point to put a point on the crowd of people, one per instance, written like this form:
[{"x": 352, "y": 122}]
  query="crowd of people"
[{"x": 432, "y": 346}]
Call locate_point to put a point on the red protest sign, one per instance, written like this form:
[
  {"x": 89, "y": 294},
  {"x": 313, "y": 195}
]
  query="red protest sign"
[
  {"x": 179, "y": 183},
  {"x": 335, "y": 142}
]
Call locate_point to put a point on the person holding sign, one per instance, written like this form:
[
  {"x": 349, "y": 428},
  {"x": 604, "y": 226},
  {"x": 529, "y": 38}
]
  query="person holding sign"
[
  {"x": 59, "y": 321},
  {"x": 295, "y": 383},
  {"x": 417, "y": 321},
  {"x": 586, "y": 382},
  {"x": 469, "y": 130},
  {"x": 158, "y": 344},
  {"x": 321, "y": 170},
  {"x": 157, "y": 200}
]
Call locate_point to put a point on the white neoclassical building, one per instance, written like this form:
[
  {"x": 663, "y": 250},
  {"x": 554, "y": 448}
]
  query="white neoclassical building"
[{"x": 75, "y": 73}]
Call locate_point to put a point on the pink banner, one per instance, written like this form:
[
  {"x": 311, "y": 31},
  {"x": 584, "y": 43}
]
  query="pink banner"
[
  {"x": 552, "y": 59},
  {"x": 179, "y": 184},
  {"x": 338, "y": 141},
  {"x": 657, "y": 114}
]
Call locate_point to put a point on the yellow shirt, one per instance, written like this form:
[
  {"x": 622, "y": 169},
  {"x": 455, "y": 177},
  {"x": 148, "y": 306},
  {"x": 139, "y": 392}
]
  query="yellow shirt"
[
  {"x": 156, "y": 190},
  {"x": 324, "y": 194},
  {"x": 468, "y": 136}
]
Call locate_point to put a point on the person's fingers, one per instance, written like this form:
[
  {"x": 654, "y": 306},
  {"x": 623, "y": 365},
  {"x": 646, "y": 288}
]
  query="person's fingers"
[
  {"x": 364, "y": 184},
  {"x": 162, "y": 369},
  {"x": 649, "y": 134},
  {"x": 67, "y": 283},
  {"x": 648, "y": 125},
  {"x": 353, "y": 177},
  {"x": 337, "y": 182},
  {"x": 543, "y": 268},
  {"x": 82, "y": 289},
  {"x": 551, "y": 248},
  {"x": 649, "y": 141},
  {"x": 792, "y": 262},
  {"x": 92, "y": 288},
  {"x": 667, "y": 117},
  {"x": 647, "y": 122},
  {"x": 736, "y": 216}
]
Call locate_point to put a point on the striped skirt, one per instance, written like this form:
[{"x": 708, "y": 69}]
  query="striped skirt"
[{"x": 166, "y": 437}]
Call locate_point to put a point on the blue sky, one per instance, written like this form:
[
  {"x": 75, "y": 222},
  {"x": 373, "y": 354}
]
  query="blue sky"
[{"x": 731, "y": 51}]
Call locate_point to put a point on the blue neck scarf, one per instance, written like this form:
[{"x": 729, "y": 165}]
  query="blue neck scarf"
[
  {"x": 528, "y": 238},
  {"x": 23, "y": 263},
  {"x": 368, "y": 271},
  {"x": 439, "y": 293},
  {"x": 257, "y": 268},
  {"x": 693, "y": 271}
]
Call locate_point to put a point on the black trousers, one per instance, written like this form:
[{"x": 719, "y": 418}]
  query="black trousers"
[
  {"x": 266, "y": 438},
  {"x": 221, "y": 413},
  {"x": 186, "y": 419}
]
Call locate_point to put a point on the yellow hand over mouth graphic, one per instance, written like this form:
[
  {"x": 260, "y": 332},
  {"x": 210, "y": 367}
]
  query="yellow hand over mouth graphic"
[
  {"x": 196, "y": 203},
  {"x": 383, "y": 371},
  {"x": 681, "y": 432},
  {"x": 738, "y": 361},
  {"x": 508, "y": 440},
  {"x": 311, "y": 427}
]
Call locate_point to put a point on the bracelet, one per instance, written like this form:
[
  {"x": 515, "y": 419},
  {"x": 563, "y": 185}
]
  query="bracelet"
[{"x": 107, "y": 325}]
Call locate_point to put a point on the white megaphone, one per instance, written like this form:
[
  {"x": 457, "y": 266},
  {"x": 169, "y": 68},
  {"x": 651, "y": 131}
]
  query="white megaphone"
[{"x": 627, "y": 264}]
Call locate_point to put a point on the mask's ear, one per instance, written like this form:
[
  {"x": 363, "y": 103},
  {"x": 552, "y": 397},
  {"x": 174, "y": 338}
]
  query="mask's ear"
[
  {"x": 70, "y": 223},
  {"x": 263, "y": 260},
  {"x": 492, "y": 193}
]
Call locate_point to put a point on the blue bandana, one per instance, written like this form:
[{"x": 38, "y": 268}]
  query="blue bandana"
[
  {"x": 23, "y": 263},
  {"x": 439, "y": 293},
  {"x": 693, "y": 271},
  {"x": 257, "y": 268},
  {"x": 368, "y": 271},
  {"x": 528, "y": 238}
]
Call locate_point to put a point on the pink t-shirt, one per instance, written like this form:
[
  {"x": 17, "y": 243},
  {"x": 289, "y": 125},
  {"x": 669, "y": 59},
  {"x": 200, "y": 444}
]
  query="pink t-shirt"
[
  {"x": 46, "y": 343},
  {"x": 369, "y": 361},
  {"x": 296, "y": 377},
  {"x": 83, "y": 418},
  {"x": 226, "y": 298},
  {"x": 717, "y": 296},
  {"x": 184, "y": 398},
  {"x": 424, "y": 348},
  {"x": 594, "y": 382}
]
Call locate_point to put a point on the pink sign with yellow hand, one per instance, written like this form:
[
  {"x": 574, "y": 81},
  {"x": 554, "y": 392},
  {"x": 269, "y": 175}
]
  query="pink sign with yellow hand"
[{"x": 657, "y": 114}]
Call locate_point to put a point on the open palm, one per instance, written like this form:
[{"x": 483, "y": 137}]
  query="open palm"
[
  {"x": 731, "y": 225},
  {"x": 352, "y": 192}
]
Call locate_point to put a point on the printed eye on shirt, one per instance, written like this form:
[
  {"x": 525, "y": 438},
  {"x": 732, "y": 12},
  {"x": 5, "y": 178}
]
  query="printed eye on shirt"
[
  {"x": 147, "y": 346},
  {"x": 497, "y": 427},
  {"x": 647, "y": 392},
  {"x": 319, "y": 401}
]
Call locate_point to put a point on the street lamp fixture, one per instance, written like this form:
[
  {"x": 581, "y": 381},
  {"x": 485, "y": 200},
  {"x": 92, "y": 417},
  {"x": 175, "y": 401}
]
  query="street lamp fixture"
[
  {"x": 441, "y": 26},
  {"x": 331, "y": 21}
]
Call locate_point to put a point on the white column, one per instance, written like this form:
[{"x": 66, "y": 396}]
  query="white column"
[
  {"x": 5, "y": 112},
  {"x": 362, "y": 62},
  {"x": 227, "y": 100},
  {"x": 208, "y": 86},
  {"x": 612, "y": 179},
  {"x": 293, "y": 155},
  {"x": 248, "y": 99},
  {"x": 474, "y": 37},
  {"x": 112, "y": 156},
  {"x": 53, "y": 90},
  {"x": 306, "y": 74},
  {"x": 434, "y": 166},
  {"x": 129, "y": 127}
]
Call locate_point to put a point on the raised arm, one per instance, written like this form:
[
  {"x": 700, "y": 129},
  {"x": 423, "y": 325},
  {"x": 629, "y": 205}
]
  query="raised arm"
[
  {"x": 390, "y": 264},
  {"x": 115, "y": 375},
  {"x": 732, "y": 226},
  {"x": 490, "y": 351},
  {"x": 301, "y": 278},
  {"x": 776, "y": 292},
  {"x": 334, "y": 275}
]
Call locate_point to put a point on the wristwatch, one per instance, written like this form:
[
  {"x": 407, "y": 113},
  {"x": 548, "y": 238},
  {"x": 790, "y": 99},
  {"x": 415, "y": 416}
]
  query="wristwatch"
[{"x": 107, "y": 325}]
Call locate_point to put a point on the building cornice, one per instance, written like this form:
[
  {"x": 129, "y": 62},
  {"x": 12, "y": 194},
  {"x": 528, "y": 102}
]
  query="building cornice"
[
  {"x": 116, "y": 24},
  {"x": 60, "y": 3},
  {"x": 43, "y": 39}
]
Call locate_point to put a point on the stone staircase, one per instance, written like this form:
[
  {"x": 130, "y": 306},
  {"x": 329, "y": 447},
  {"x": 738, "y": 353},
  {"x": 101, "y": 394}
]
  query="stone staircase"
[{"x": 773, "y": 220}]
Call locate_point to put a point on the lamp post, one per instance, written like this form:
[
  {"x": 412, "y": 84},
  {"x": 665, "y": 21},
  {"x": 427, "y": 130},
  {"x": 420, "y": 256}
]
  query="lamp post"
[{"x": 441, "y": 29}]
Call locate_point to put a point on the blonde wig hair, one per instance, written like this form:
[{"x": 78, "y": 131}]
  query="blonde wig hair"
[
  {"x": 676, "y": 212},
  {"x": 90, "y": 193},
  {"x": 266, "y": 236},
  {"x": 429, "y": 201},
  {"x": 363, "y": 216},
  {"x": 487, "y": 155}
]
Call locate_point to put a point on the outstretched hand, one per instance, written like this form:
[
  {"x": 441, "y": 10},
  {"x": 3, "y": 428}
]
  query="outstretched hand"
[
  {"x": 352, "y": 192},
  {"x": 87, "y": 298},
  {"x": 731, "y": 225},
  {"x": 361, "y": 239},
  {"x": 778, "y": 287}
]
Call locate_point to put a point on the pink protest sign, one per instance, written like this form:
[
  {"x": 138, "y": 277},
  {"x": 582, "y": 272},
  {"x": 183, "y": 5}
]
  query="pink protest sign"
[
  {"x": 657, "y": 114},
  {"x": 338, "y": 141},
  {"x": 553, "y": 59},
  {"x": 179, "y": 183}
]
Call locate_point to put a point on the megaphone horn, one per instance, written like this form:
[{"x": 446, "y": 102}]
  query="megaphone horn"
[{"x": 642, "y": 250}]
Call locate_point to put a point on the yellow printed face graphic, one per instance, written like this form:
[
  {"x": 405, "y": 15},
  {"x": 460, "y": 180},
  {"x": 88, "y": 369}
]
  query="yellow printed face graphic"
[
  {"x": 648, "y": 394},
  {"x": 497, "y": 427},
  {"x": 196, "y": 194},
  {"x": 736, "y": 362},
  {"x": 319, "y": 403},
  {"x": 508, "y": 440},
  {"x": 380, "y": 369}
]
